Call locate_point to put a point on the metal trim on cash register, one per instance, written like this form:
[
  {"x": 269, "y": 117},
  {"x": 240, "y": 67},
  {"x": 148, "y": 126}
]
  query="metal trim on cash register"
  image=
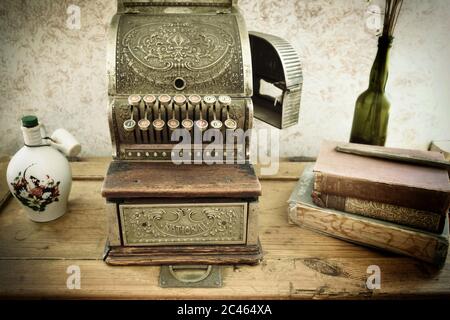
[
  {"x": 277, "y": 65},
  {"x": 188, "y": 64}
]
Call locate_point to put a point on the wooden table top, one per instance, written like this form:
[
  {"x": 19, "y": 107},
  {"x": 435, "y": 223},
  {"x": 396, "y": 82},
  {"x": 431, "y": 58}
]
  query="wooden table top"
[{"x": 298, "y": 264}]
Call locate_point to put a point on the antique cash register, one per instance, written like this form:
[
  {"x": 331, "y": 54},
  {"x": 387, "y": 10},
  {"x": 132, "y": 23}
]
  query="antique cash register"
[{"x": 185, "y": 71}]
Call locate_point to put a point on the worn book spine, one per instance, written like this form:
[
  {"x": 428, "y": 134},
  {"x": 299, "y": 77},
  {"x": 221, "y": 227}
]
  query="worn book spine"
[
  {"x": 419, "y": 219},
  {"x": 403, "y": 196}
]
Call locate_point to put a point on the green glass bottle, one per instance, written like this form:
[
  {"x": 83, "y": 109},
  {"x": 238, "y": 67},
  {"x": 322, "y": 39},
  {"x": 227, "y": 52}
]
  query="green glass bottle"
[{"x": 371, "y": 117}]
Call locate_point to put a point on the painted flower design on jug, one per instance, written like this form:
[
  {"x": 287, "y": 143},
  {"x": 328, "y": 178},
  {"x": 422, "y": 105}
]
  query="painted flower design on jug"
[{"x": 34, "y": 193}]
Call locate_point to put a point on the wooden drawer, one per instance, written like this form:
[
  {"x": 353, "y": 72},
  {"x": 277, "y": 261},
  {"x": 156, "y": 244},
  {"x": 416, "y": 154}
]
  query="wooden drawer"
[{"x": 183, "y": 224}]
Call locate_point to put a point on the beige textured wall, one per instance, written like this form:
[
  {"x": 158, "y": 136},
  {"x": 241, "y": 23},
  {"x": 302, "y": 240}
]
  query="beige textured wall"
[{"x": 59, "y": 74}]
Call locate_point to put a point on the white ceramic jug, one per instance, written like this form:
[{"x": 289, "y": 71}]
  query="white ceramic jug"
[{"x": 39, "y": 175}]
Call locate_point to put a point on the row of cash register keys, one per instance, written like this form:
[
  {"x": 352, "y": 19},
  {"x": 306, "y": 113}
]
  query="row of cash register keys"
[{"x": 216, "y": 105}]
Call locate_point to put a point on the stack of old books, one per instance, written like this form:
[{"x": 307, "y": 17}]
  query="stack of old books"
[{"x": 392, "y": 205}]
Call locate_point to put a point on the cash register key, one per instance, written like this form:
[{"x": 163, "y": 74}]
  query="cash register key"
[
  {"x": 134, "y": 100},
  {"x": 216, "y": 124},
  {"x": 209, "y": 100},
  {"x": 187, "y": 124},
  {"x": 149, "y": 100},
  {"x": 179, "y": 99},
  {"x": 144, "y": 124},
  {"x": 158, "y": 124},
  {"x": 225, "y": 100},
  {"x": 195, "y": 99},
  {"x": 173, "y": 124},
  {"x": 164, "y": 99},
  {"x": 230, "y": 124},
  {"x": 130, "y": 124},
  {"x": 201, "y": 124}
]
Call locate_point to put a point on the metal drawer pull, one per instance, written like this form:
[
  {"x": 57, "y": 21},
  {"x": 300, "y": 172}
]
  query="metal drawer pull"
[{"x": 191, "y": 276}]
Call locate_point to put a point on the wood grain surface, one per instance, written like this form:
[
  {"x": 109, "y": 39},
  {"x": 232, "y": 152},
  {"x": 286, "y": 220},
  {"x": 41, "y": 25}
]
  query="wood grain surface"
[
  {"x": 127, "y": 179},
  {"x": 187, "y": 255},
  {"x": 297, "y": 264}
]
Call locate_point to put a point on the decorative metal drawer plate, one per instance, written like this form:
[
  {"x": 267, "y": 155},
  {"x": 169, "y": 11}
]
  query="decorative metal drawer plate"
[{"x": 184, "y": 224}]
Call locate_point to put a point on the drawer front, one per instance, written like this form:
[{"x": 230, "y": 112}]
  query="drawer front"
[{"x": 183, "y": 224}]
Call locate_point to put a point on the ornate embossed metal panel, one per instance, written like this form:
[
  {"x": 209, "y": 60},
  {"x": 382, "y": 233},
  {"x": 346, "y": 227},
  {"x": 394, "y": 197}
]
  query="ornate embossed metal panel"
[
  {"x": 184, "y": 224},
  {"x": 202, "y": 50}
]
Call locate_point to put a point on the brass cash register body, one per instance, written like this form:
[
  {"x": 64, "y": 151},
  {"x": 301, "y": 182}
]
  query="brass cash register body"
[{"x": 187, "y": 65}]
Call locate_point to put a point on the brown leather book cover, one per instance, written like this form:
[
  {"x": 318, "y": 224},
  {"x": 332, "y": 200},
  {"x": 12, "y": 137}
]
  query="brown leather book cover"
[
  {"x": 418, "y": 219},
  {"x": 384, "y": 181}
]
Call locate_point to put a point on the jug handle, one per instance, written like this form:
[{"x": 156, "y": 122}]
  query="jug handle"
[{"x": 51, "y": 142}]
